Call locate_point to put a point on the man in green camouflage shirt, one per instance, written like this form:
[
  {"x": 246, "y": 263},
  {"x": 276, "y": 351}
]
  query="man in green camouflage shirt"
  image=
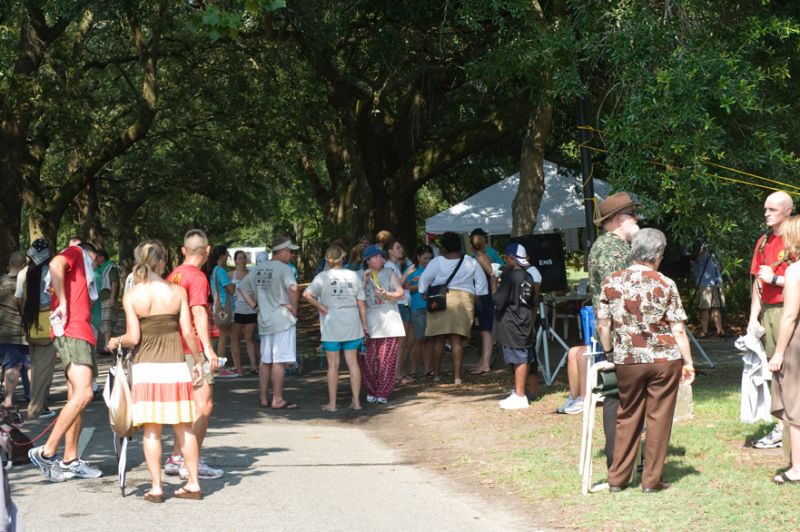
[{"x": 609, "y": 253}]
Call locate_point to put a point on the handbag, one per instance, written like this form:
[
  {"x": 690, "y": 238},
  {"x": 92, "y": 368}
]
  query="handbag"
[
  {"x": 117, "y": 395},
  {"x": 223, "y": 318},
  {"x": 436, "y": 296},
  {"x": 39, "y": 332}
]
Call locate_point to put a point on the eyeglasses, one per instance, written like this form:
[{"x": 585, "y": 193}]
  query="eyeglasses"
[{"x": 632, "y": 214}]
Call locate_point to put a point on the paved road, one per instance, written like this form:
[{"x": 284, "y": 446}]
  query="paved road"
[{"x": 285, "y": 471}]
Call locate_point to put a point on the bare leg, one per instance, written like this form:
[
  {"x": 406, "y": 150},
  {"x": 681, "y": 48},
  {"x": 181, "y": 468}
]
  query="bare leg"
[
  {"x": 427, "y": 354},
  {"x": 69, "y": 422},
  {"x": 236, "y": 349},
  {"x": 263, "y": 383},
  {"x": 250, "y": 342},
  {"x": 704, "y": 321},
  {"x": 716, "y": 315},
  {"x": 277, "y": 375},
  {"x": 151, "y": 442},
  {"x": 520, "y": 377},
  {"x": 351, "y": 358},
  {"x": 204, "y": 401},
  {"x": 190, "y": 448},
  {"x": 333, "y": 379},
  {"x": 222, "y": 343},
  {"x": 456, "y": 343},
  {"x": 487, "y": 343},
  {"x": 438, "y": 349},
  {"x": 576, "y": 366},
  {"x": 10, "y": 380}
]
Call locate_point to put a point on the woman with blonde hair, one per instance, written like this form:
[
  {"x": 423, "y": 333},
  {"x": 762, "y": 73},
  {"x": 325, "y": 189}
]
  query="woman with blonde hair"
[
  {"x": 785, "y": 362},
  {"x": 162, "y": 382},
  {"x": 338, "y": 295}
]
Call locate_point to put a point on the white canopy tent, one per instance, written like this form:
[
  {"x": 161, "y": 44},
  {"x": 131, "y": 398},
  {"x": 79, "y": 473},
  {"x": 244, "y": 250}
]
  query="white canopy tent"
[{"x": 490, "y": 209}]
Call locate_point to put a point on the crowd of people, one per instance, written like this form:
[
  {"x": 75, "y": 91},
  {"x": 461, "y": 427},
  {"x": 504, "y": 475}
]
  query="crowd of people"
[{"x": 387, "y": 312}]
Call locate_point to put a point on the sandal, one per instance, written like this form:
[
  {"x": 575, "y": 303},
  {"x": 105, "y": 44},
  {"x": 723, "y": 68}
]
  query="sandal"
[
  {"x": 784, "y": 479},
  {"x": 149, "y": 497},
  {"x": 183, "y": 493},
  {"x": 429, "y": 373},
  {"x": 407, "y": 379}
]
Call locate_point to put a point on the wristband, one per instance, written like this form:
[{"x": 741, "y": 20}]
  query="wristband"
[{"x": 775, "y": 280}]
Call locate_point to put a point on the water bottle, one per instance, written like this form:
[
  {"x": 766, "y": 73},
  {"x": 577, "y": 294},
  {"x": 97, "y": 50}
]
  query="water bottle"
[
  {"x": 221, "y": 361},
  {"x": 57, "y": 325}
]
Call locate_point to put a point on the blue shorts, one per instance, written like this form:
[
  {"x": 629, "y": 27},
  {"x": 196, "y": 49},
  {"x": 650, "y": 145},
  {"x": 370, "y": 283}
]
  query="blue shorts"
[
  {"x": 484, "y": 311},
  {"x": 15, "y": 355},
  {"x": 515, "y": 355},
  {"x": 405, "y": 313},
  {"x": 419, "y": 319},
  {"x": 335, "y": 347}
]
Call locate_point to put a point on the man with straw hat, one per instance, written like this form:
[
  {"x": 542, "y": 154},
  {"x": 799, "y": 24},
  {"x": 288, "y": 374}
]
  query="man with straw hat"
[{"x": 611, "y": 252}]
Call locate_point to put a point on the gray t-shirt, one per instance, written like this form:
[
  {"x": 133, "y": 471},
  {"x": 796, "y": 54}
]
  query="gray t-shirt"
[
  {"x": 339, "y": 290},
  {"x": 269, "y": 283}
]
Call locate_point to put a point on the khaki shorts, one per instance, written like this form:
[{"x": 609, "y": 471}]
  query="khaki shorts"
[
  {"x": 75, "y": 351},
  {"x": 771, "y": 321},
  {"x": 208, "y": 375},
  {"x": 712, "y": 297}
]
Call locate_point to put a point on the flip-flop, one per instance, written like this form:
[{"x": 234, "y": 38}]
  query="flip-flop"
[
  {"x": 149, "y": 497},
  {"x": 477, "y": 372},
  {"x": 354, "y": 408},
  {"x": 182, "y": 493},
  {"x": 286, "y": 406},
  {"x": 263, "y": 405},
  {"x": 430, "y": 374},
  {"x": 328, "y": 409},
  {"x": 784, "y": 479}
]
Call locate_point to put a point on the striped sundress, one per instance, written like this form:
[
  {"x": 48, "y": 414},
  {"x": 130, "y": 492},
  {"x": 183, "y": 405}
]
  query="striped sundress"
[{"x": 162, "y": 383}]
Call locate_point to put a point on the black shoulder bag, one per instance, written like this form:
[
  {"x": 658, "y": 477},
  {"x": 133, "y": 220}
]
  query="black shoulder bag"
[{"x": 436, "y": 297}]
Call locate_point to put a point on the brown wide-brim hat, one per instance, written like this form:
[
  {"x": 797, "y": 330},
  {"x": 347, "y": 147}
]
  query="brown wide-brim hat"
[{"x": 613, "y": 205}]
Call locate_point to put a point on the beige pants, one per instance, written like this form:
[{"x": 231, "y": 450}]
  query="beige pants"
[
  {"x": 771, "y": 321},
  {"x": 43, "y": 364}
]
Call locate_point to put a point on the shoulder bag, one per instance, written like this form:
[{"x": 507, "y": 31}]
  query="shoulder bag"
[
  {"x": 436, "y": 297},
  {"x": 223, "y": 318},
  {"x": 117, "y": 395}
]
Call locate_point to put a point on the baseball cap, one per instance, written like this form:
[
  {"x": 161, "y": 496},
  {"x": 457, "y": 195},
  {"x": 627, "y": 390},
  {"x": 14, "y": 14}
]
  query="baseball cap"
[
  {"x": 282, "y": 242},
  {"x": 518, "y": 252},
  {"x": 478, "y": 231}
]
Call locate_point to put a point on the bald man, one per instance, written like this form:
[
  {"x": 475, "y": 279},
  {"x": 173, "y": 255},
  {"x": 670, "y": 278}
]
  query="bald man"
[{"x": 770, "y": 261}]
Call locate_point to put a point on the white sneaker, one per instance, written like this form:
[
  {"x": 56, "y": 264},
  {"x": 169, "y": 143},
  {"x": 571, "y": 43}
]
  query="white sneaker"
[
  {"x": 568, "y": 403},
  {"x": 514, "y": 402},
  {"x": 173, "y": 465},
  {"x": 79, "y": 469},
  {"x": 575, "y": 408},
  {"x": 371, "y": 398},
  {"x": 206, "y": 472},
  {"x": 381, "y": 400}
]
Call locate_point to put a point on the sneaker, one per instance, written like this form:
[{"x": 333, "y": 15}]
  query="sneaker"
[
  {"x": 173, "y": 465},
  {"x": 79, "y": 469},
  {"x": 228, "y": 374},
  {"x": 206, "y": 472},
  {"x": 568, "y": 403},
  {"x": 48, "y": 466},
  {"x": 575, "y": 408},
  {"x": 46, "y": 414},
  {"x": 371, "y": 399},
  {"x": 770, "y": 441},
  {"x": 382, "y": 400},
  {"x": 514, "y": 402}
]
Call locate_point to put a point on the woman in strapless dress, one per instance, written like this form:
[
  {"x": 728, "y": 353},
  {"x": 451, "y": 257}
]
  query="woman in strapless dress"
[{"x": 155, "y": 313}]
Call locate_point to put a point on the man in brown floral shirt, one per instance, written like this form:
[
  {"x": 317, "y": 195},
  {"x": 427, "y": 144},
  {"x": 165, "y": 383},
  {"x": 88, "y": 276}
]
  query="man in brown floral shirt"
[{"x": 652, "y": 356}]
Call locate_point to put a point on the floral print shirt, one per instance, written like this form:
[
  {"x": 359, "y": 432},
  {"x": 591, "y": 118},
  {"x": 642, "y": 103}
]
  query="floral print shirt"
[{"x": 641, "y": 303}]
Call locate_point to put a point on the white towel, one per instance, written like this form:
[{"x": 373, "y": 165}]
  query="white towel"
[
  {"x": 756, "y": 399},
  {"x": 88, "y": 266}
]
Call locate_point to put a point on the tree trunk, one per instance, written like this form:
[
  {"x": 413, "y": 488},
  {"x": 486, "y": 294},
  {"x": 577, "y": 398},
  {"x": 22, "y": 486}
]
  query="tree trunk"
[
  {"x": 87, "y": 204},
  {"x": 525, "y": 206},
  {"x": 10, "y": 212}
]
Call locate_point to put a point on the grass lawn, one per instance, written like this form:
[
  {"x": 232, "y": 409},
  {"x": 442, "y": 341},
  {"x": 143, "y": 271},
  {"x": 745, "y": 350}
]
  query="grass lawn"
[{"x": 717, "y": 483}]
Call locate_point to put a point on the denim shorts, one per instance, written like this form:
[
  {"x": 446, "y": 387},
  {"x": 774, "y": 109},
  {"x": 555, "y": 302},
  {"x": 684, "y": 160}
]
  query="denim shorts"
[
  {"x": 405, "y": 313},
  {"x": 419, "y": 320},
  {"x": 515, "y": 355},
  {"x": 335, "y": 347},
  {"x": 14, "y": 355}
]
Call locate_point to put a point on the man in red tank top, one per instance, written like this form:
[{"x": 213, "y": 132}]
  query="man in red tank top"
[{"x": 770, "y": 261}]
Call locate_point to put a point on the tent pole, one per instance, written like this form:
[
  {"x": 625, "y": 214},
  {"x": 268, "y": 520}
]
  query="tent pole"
[{"x": 586, "y": 172}]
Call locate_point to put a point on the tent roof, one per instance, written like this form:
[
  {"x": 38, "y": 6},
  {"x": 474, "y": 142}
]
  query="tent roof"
[{"x": 490, "y": 209}]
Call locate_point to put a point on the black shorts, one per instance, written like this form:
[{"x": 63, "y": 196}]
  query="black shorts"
[
  {"x": 245, "y": 319},
  {"x": 484, "y": 311}
]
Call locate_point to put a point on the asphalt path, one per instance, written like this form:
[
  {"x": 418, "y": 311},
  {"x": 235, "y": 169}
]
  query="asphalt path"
[{"x": 286, "y": 470}]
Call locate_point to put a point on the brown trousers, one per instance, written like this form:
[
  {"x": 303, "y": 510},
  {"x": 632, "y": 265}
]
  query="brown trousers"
[
  {"x": 645, "y": 391},
  {"x": 43, "y": 364}
]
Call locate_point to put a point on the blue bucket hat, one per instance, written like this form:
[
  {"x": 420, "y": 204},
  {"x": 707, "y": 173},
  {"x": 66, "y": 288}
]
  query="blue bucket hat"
[{"x": 370, "y": 251}]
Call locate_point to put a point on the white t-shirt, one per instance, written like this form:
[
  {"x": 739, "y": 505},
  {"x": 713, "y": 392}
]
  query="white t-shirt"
[
  {"x": 240, "y": 305},
  {"x": 269, "y": 283},
  {"x": 383, "y": 316},
  {"x": 470, "y": 277},
  {"x": 397, "y": 270},
  {"x": 339, "y": 290}
]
